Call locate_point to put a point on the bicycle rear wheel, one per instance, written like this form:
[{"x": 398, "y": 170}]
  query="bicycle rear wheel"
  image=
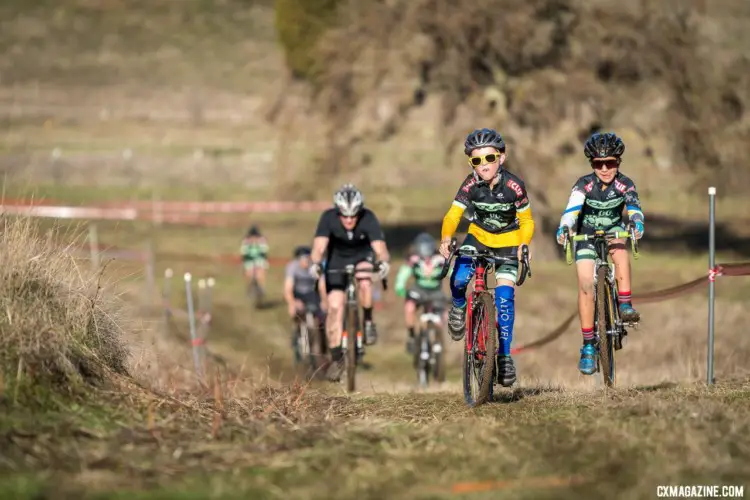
[
  {"x": 351, "y": 327},
  {"x": 313, "y": 341},
  {"x": 298, "y": 356},
  {"x": 605, "y": 343},
  {"x": 481, "y": 347}
]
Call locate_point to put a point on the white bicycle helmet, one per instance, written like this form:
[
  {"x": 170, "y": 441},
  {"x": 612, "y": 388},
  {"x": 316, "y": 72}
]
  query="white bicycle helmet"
[{"x": 348, "y": 200}]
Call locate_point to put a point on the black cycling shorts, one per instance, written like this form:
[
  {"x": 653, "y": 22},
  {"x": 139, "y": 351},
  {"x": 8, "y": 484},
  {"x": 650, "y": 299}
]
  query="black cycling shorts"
[
  {"x": 337, "y": 281},
  {"x": 311, "y": 300}
]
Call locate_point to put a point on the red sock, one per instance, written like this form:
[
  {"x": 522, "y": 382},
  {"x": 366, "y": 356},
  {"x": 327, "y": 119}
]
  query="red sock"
[{"x": 624, "y": 297}]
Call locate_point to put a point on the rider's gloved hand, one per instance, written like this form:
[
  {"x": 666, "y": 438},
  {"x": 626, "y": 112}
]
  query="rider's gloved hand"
[
  {"x": 639, "y": 229},
  {"x": 383, "y": 268},
  {"x": 316, "y": 270},
  {"x": 560, "y": 235}
]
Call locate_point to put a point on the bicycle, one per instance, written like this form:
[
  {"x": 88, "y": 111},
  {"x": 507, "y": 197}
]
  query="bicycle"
[
  {"x": 309, "y": 343},
  {"x": 352, "y": 327},
  {"x": 428, "y": 358},
  {"x": 481, "y": 321},
  {"x": 254, "y": 291},
  {"x": 610, "y": 328}
]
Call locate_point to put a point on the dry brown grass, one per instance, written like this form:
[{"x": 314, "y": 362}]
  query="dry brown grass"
[
  {"x": 57, "y": 325},
  {"x": 242, "y": 433}
]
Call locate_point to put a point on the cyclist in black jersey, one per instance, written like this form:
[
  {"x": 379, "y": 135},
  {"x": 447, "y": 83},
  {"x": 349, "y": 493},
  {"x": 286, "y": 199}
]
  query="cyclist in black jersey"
[
  {"x": 597, "y": 201},
  {"x": 348, "y": 233}
]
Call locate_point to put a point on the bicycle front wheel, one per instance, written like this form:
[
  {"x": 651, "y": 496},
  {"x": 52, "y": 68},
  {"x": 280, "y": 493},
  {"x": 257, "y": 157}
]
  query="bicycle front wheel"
[
  {"x": 481, "y": 347},
  {"x": 437, "y": 353},
  {"x": 605, "y": 344},
  {"x": 351, "y": 327}
]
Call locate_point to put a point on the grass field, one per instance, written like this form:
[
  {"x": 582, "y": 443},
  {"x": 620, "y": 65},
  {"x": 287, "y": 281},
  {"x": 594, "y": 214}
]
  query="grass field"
[{"x": 538, "y": 442}]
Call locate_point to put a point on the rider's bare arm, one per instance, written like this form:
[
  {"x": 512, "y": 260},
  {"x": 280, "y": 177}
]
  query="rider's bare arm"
[
  {"x": 371, "y": 227},
  {"x": 381, "y": 250},
  {"x": 289, "y": 290},
  {"x": 320, "y": 244}
]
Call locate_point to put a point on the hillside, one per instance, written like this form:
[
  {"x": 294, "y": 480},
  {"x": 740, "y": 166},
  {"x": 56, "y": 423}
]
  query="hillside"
[{"x": 158, "y": 93}]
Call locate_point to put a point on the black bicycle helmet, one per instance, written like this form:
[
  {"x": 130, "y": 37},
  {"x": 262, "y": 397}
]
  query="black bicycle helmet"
[
  {"x": 348, "y": 200},
  {"x": 253, "y": 231},
  {"x": 603, "y": 145},
  {"x": 483, "y": 138},
  {"x": 301, "y": 250}
]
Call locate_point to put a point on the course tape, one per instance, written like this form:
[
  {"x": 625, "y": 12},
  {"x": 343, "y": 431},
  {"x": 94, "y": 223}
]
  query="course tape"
[
  {"x": 176, "y": 212},
  {"x": 734, "y": 269}
]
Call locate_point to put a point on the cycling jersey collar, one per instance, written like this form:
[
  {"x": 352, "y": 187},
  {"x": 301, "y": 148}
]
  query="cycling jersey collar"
[{"x": 477, "y": 178}]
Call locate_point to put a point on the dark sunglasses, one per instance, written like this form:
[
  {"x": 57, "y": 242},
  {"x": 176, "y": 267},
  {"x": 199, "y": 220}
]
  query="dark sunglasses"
[{"x": 609, "y": 163}]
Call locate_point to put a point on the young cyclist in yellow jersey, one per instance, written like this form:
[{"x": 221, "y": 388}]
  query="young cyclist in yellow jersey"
[{"x": 501, "y": 222}]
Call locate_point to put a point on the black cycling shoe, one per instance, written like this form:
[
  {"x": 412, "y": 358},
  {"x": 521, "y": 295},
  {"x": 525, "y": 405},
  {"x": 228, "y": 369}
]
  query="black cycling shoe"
[
  {"x": 371, "y": 333},
  {"x": 335, "y": 369}
]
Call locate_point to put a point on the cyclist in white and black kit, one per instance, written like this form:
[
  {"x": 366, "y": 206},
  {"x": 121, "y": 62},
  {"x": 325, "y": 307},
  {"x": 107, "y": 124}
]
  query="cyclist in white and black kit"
[{"x": 348, "y": 233}]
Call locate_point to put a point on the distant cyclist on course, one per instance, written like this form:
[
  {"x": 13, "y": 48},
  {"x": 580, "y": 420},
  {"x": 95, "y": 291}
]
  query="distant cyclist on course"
[
  {"x": 596, "y": 202},
  {"x": 425, "y": 264},
  {"x": 300, "y": 288},
  {"x": 254, "y": 252},
  {"x": 502, "y": 222},
  {"x": 348, "y": 233}
]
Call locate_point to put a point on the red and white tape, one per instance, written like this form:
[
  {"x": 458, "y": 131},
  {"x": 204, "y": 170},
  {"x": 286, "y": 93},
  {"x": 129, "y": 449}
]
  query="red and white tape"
[
  {"x": 60, "y": 212},
  {"x": 186, "y": 207}
]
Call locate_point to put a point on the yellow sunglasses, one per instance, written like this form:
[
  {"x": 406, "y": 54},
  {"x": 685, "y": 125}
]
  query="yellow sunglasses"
[{"x": 476, "y": 161}]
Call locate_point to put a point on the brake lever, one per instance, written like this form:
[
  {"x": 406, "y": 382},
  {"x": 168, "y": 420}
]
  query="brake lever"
[{"x": 526, "y": 261}]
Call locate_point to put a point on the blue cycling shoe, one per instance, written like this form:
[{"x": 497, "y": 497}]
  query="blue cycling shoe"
[{"x": 587, "y": 364}]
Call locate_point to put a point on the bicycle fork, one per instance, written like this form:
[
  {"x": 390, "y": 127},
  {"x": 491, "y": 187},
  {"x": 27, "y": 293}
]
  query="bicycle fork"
[
  {"x": 359, "y": 342},
  {"x": 614, "y": 325}
]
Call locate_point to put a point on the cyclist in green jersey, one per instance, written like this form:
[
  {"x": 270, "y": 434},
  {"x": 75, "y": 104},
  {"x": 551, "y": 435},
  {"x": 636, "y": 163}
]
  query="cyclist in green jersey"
[
  {"x": 425, "y": 264},
  {"x": 254, "y": 252}
]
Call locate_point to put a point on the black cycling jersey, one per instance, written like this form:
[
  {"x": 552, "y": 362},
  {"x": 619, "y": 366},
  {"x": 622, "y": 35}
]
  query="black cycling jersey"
[
  {"x": 494, "y": 209},
  {"x": 594, "y": 205},
  {"x": 347, "y": 246}
]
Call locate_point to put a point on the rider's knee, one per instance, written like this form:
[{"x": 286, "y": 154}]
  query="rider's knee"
[
  {"x": 586, "y": 287},
  {"x": 617, "y": 249},
  {"x": 410, "y": 306},
  {"x": 364, "y": 285}
]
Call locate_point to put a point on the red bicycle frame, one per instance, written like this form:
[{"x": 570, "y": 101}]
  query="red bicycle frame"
[{"x": 479, "y": 286}]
